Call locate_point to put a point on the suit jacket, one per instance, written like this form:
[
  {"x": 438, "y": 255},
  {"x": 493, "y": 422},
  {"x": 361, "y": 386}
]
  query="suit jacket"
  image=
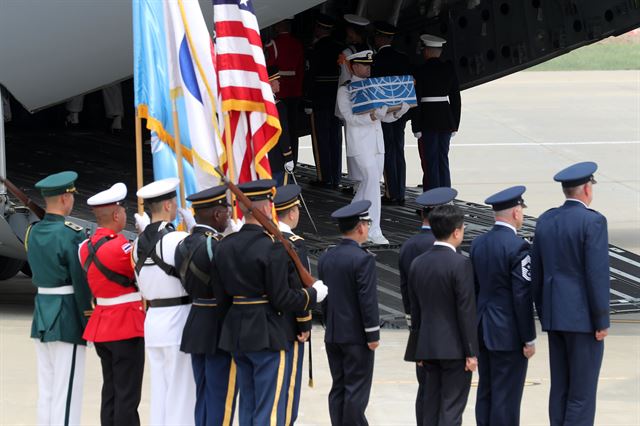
[
  {"x": 388, "y": 61},
  {"x": 443, "y": 308},
  {"x": 321, "y": 79},
  {"x": 412, "y": 248},
  {"x": 436, "y": 78},
  {"x": 299, "y": 321},
  {"x": 351, "y": 308},
  {"x": 501, "y": 266},
  {"x": 570, "y": 269}
]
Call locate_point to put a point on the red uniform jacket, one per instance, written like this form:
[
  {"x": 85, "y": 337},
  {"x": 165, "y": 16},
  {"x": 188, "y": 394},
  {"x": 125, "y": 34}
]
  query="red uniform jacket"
[
  {"x": 287, "y": 53},
  {"x": 117, "y": 322}
]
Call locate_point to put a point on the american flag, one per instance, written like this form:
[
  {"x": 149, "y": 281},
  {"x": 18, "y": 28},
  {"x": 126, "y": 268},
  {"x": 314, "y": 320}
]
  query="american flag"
[{"x": 245, "y": 92}]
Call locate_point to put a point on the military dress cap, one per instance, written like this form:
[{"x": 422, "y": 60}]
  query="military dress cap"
[
  {"x": 436, "y": 197},
  {"x": 356, "y": 20},
  {"x": 432, "y": 41},
  {"x": 273, "y": 72},
  {"x": 57, "y": 184},
  {"x": 256, "y": 190},
  {"x": 385, "y": 28},
  {"x": 577, "y": 174},
  {"x": 507, "y": 198},
  {"x": 163, "y": 189},
  {"x": 325, "y": 20},
  {"x": 356, "y": 211},
  {"x": 363, "y": 57},
  {"x": 210, "y": 197},
  {"x": 286, "y": 197},
  {"x": 116, "y": 194}
]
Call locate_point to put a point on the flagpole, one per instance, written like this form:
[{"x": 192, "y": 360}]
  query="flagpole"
[
  {"x": 229, "y": 149},
  {"x": 139, "y": 176},
  {"x": 178, "y": 148}
]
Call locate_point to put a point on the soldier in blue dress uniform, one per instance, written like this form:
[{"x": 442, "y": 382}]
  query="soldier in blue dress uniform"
[
  {"x": 506, "y": 331},
  {"x": 351, "y": 314},
  {"x": 287, "y": 205},
  {"x": 213, "y": 369},
  {"x": 253, "y": 269},
  {"x": 570, "y": 278},
  {"x": 412, "y": 248}
]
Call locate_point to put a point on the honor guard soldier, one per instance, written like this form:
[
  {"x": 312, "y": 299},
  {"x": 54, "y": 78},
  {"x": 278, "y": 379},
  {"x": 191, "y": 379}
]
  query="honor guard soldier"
[
  {"x": 253, "y": 268},
  {"x": 437, "y": 117},
  {"x": 60, "y": 303},
  {"x": 388, "y": 62},
  {"x": 321, "y": 87},
  {"x": 570, "y": 278},
  {"x": 412, "y": 248},
  {"x": 287, "y": 53},
  {"x": 213, "y": 368},
  {"x": 506, "y": 332},
  {"x": 443, "y": 313},
  {"x": 117, "y": 324},
  {"x": 365, "y": 142},
  {"x": 172, "y": 390},
  {"x": 351, "y": 314},
  {"x": 287, "y": 205},
  {"x": 280, "y": 156}
]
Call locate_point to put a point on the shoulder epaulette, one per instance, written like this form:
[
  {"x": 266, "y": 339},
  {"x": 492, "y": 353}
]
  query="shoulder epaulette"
[
  {"x": 73, "y": 226},
  {"x": 270, "y": 236},
  {"x": 295, "y": 238}
]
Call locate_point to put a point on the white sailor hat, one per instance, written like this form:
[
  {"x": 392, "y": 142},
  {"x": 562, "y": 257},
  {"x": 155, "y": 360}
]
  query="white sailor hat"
[
  {"x": 356, "y": 20},
  {"x": 113, "y": 195},
  {"x": 363, "y": 57},
  {"x": 159, "y": 190},
  {"x": 432, "y": 41}
]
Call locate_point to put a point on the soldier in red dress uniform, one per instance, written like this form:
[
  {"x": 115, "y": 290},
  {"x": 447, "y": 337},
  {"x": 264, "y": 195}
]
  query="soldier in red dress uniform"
[{"x": 117, "y": 323}]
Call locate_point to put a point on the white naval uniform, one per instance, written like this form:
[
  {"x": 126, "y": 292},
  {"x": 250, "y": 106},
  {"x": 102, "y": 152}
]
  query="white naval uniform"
[
  {"x": 365, "y": 153},
  {"x": 173, "y": 392}
]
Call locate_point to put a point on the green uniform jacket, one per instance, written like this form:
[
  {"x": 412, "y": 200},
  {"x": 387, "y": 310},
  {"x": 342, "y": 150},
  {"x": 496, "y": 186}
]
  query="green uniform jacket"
[{"x": 52, "y": 251}]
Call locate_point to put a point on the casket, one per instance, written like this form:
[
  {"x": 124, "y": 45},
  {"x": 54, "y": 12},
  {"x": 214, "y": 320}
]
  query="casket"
[{"x": 372, "y": 93}]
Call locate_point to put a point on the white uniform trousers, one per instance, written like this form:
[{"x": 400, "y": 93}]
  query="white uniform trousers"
[
  {"x": 370, "y": 166},
  {"x": 60, "y": 382},
  {"x": 173, "y": 389}
]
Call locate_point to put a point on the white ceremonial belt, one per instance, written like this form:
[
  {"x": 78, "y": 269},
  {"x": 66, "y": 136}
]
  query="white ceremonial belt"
[
  {"x": 125, "y": 298},
  {"x": 435, "y": 99},
  {"x": 287, "y": 73},
  {"x": 65, "y": 289}
]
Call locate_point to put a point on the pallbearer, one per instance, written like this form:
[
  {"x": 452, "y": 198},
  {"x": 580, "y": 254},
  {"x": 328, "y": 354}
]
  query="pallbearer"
[
  {"x": 287, "y": 204},
  {"x": 172, "y": 388},
  {"x": 60, "y": 303},
  {"x": 117, "y": 324}
]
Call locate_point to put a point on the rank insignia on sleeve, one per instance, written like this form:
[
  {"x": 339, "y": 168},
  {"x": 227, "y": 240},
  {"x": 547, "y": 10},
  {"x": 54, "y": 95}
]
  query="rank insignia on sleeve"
[{"x": 525, "y": 264}]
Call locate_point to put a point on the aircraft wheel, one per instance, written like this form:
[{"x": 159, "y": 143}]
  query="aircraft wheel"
[{"x": 9, "y": 267}]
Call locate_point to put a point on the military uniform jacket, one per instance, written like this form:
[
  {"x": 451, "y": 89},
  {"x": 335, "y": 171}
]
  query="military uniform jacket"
[
  {"x": 281, "y": 152},
  {"x": 443, "y": 308},
  {"x": 436, "y": 78},
  {"x": 388, "y": 61},
  {"x": 52, "y": 252},
  {"x": 351, "y": 308},
  {"x": 115, "y": 322},
  {"x": 299, "y": 321},
  {"x": 162, "y": 326},
  {"x": 321, "y": 80},
  {"x": 287, "y": 53},
  {"x": 251, "y": 265},
  {"x": 412, "y": 248},
  {"x": 570, "y": 269},
  {"x": 502, "y": 270}
]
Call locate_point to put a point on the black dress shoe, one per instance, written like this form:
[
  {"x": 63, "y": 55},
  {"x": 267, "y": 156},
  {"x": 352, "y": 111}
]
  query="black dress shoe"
[{"x": 401, "y": 202}]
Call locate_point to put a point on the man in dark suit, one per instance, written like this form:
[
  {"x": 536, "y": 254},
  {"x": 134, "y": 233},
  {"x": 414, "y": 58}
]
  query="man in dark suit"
[
  {"x": 437, "y": 116},
  {"x": 570, "y": 278},
  {"x": 506, "y": 332},
  {"x": 351, "y": 314},
  {"x": 387, "y": 62},
  {"x": 412, "y": 248},
  {"x": 443, "y": 312}
]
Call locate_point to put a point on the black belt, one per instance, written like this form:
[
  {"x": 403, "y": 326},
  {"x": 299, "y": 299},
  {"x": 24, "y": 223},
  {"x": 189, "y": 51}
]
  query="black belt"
[
  {"x": 171, "y": 301},
  {"x": 205, "y": 302}
]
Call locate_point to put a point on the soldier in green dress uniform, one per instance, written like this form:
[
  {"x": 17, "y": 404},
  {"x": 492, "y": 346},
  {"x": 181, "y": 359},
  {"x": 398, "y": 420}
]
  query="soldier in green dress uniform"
[{"x": 61, "y": 301}]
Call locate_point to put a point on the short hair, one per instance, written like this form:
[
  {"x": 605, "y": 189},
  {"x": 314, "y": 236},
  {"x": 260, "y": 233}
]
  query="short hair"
[
  {"x": 156, "y": 206},
  {"x": 572, "y": 191},
  {"x": 445, "y": 219}
]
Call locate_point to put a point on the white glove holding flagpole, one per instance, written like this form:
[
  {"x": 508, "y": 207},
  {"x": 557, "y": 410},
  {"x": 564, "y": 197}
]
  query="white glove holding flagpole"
[
  {"x": 187, "y": 218},
  {"x": 142, "y": 221},
  {"x": 288, "y": 166},
  {"x": 321, "y": 291}
]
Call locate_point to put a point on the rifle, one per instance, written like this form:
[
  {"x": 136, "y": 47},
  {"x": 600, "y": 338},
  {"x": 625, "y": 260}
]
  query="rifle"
[
  {"x": 36, "y": 209},
  {"x": 305, "y": 276}
]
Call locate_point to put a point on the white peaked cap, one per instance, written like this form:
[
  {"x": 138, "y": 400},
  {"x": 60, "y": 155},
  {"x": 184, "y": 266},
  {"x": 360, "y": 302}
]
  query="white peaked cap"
[
  {"x": 158, "y": 188},
  {"x": 356, "y": 19},
  {"x": 432, "y": 41},
  {"x": 364, "y": 56},
  {"x": 117, "y": 192}
]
